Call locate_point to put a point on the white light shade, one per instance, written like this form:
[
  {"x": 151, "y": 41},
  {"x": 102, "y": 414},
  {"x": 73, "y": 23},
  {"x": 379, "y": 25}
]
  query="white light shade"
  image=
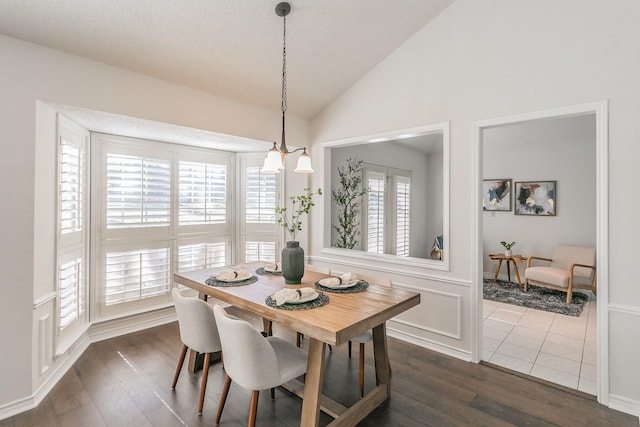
[
  {"x": 304, "y": 163},
  {"x": 273, "y": 161}
]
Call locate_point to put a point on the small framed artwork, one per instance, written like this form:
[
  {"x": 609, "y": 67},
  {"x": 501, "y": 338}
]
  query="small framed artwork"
[
  {"x": 535, "y": 198},
  {"x": 496, "y": 195}
]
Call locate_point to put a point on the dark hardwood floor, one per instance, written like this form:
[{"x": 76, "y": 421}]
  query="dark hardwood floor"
[{"x": 125, "y": 381}]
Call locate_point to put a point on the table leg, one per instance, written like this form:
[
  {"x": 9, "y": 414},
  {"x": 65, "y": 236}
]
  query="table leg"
[
  {"x": 515, "y": 267},
  {"x": 313, "y": 383},
  {"x": 495, "y": 277},
  {"x": 381, "y": 357}
]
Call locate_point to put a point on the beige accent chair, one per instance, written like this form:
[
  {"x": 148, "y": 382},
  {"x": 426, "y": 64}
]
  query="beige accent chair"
[
  {"x": 572, "y": 267},
  {"x": 365, "y": 337},
  {"x": 253, "y": 361},
  {"x": 198, "y": 331}
]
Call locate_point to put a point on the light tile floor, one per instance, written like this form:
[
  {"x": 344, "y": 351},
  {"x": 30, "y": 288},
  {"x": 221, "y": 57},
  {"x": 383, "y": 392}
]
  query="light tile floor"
[{"x": 553, "y": 347}]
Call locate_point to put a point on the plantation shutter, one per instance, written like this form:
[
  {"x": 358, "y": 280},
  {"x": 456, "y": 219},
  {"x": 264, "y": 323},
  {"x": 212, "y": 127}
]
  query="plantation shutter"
[
  {"x": 72, "y": 236},
  {"x": 202, "y": 193},
  {"x": 198, "y": 256},
  {"x": 403, "y": 214},
  {"x": 136, "y": 275},
  {"x": 138, "y": 191},
  {"x": 260, "y": 233},
  {"x": 375, "y": 212}
]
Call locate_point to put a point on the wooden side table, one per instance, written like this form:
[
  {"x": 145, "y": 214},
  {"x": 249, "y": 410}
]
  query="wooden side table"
[{"x": 513, "y": 258}]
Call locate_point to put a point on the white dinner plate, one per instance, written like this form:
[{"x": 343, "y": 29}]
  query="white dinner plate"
[
  {"x": 237, "y": 279},
  {"x": 327, "y": 282},
  {"x": 269, "y": 268}
]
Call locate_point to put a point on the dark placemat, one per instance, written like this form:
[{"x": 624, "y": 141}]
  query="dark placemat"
[
  {"x": 358, "y": 287},
  {"x": 262, "y": 272},
  {"x": 212, "y": 281},
  {"x": 318, "y": 302}
]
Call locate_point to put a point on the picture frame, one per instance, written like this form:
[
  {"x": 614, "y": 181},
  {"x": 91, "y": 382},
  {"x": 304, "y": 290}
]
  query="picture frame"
[
  {"x": 496, "y": 195},
  {"x": 535, "y": 198}
]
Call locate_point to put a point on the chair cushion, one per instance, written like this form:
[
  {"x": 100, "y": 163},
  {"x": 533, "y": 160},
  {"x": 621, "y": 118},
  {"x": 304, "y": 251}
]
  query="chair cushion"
[{"x": 551, "y": 275}]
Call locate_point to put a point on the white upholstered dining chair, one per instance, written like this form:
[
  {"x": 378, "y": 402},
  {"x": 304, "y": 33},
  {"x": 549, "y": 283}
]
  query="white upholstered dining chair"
[
  {"x": 365, "y": 337},
  {"x": 198, "y": 331},
  {"x": 253, "y": 361}
]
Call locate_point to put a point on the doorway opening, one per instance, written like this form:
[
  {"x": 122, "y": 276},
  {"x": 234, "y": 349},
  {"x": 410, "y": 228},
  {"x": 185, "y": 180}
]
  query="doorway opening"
[{"x": 567, "y": 148}]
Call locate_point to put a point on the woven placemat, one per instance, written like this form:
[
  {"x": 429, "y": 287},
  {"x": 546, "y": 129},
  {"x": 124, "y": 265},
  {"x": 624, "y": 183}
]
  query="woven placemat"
[
  {"x": 318, "y": 302},
  {"x": 358, "y": 287},
  {"x": 212, "y": 281},
  {"x": 262, "y": 272}
]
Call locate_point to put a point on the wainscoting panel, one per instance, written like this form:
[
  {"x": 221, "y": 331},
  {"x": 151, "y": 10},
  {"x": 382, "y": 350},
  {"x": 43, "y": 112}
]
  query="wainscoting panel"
[
  {"x": 624, "y": 393},
  {"x": 44, "y": 343}
]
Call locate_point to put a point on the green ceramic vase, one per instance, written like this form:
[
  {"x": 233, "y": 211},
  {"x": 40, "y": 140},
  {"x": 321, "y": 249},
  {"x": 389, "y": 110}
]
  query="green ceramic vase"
[{"x": 292, "y": 263}]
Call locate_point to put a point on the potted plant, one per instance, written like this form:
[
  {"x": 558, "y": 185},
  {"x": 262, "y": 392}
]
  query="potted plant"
[
  {"x": 348, "y": 198},
  {"x": 507, "y": 247},
  {"x": 292, "y": 257}
]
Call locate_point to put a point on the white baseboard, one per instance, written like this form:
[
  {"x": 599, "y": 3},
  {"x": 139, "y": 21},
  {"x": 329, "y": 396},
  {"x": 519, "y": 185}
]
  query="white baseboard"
[
  {"x": 625, "y": 405},
  {"x": 134, "y": 323},
  {"x": 96, "y": 332},
  {"x": 428, "y": 344}
]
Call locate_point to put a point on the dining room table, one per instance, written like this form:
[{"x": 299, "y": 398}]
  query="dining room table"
[{"x": 338, "y": 317}]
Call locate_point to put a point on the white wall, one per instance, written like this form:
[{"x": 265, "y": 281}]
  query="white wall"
[
  {"x": 495, "y": 58},
  {"x": 29, "y": 73},
  {"x": 561, "y": 150}
]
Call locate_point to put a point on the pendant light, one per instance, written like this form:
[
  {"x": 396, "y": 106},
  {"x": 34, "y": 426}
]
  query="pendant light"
[{"x": 274, "y": 162}]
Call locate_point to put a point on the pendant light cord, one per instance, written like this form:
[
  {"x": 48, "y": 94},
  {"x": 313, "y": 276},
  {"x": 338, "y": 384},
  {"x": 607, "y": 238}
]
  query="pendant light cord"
[{"x": 284, "y": 65}]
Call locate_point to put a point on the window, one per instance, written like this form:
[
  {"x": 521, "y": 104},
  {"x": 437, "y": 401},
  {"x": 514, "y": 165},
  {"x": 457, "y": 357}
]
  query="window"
[
  {"x": 260, "y": 233},
  {"x": 160, "y": 208},
  {"x": 375, "y": 212},
  {"x": 202, "y": 193},
  {"x": 387, "y": 215},
  {"x": 72, "y": 237},
  {"x": 138, "y": 191},
  {"x": 403, "y": 214}
]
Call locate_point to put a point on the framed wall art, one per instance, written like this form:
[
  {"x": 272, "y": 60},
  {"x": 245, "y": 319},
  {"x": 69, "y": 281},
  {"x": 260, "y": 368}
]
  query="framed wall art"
[
  {"x": 535, "y": 198},
  {"x": 496, "y": 195}
]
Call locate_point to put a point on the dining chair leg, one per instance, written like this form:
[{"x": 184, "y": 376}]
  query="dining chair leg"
[
  {"x": 349, "y": 349},
  {"x": 223, "y": 397},
  {"x": 361, "y": 370},
  {"x": 273, "y": 393},
  {"x": 253, "y": 409},
  {"x": 183, "y": 353},
  {"x": 203, "y": 385}
]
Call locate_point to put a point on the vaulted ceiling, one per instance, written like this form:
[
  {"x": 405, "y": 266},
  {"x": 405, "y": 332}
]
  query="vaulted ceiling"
[{"x": 230, "y": 48}]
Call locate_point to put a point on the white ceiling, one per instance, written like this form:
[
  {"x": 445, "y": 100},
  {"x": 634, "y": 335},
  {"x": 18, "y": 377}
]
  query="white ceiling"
[{"x": 230, "y": 48}]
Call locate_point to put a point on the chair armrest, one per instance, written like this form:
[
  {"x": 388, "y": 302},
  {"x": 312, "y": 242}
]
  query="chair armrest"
[
  {"x": 572, "y": 266},
  {"x": 531, "y": 258}
]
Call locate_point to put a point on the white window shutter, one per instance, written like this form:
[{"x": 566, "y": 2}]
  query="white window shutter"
[
  {"x": 138, "y": 192},
  {"x": 403, "y": 214},
  {"x": 375, "y": 218},
  {"x": 202, "y": 194}
]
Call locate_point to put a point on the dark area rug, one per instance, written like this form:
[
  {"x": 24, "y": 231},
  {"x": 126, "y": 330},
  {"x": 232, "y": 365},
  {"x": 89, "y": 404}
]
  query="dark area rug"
[{"x": 535, "y": 297}]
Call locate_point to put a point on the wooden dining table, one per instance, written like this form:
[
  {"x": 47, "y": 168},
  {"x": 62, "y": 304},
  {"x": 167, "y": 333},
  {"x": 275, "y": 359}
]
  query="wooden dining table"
[{"x": 342, "y": 318}]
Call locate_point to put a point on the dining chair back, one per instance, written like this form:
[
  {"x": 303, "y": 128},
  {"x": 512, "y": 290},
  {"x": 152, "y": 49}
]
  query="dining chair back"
[
  {"x": 253, "y": 361},
  {"x": 198, "y": 332},
  {"x": 365, "y": 337}
]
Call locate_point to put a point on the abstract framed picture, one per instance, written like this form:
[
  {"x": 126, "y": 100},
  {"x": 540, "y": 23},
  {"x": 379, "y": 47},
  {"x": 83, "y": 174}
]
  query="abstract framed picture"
[
  {"x": 496, "y": 195},
  {"x": 535, "y": 198}
]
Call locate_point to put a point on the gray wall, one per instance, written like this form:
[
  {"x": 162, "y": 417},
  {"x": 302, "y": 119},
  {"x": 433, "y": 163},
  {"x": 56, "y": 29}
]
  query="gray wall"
[
  {"x": 395, "y": 156},
  {"x": 561, "y": 150}
]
